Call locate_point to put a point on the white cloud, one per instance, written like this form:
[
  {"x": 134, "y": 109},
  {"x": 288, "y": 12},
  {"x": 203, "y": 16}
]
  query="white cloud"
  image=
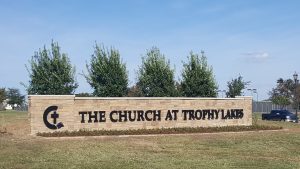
[{"x": 256, "y": 56}]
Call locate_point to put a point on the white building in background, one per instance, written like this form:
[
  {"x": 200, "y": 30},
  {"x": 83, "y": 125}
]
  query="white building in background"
[{"x": 7, "y": 106}]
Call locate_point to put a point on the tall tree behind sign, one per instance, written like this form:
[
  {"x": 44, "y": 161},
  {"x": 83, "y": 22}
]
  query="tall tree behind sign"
[
  {"x": 51, "y": 72},
  {"x": 107, "y": 75},
  {"x": 155, "y": 77},
  {"x": 197, "y": 77}
]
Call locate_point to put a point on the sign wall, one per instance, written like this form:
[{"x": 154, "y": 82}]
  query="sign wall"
[{"x": 50, "y": 113}]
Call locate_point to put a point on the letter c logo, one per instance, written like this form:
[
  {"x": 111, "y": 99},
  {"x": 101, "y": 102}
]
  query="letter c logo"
[{"x": 54, "y": 116}]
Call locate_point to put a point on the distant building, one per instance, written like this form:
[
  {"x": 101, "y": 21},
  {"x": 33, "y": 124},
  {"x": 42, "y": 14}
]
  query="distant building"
[{"x": 6, "y": 106}]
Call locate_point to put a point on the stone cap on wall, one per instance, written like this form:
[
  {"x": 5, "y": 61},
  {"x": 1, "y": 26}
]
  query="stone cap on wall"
[
  {"x": 58, "y": 97},
  {"x": 51, "y": 97}
]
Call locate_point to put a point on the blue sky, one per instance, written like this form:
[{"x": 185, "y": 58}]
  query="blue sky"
[{"x": 256, "y": 39}]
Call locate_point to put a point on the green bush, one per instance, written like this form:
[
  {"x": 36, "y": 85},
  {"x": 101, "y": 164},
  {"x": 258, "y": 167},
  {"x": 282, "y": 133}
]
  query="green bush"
[{"x": 85, "y": 132}]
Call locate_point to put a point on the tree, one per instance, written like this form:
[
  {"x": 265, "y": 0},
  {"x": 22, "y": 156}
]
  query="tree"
[
  {"x": 235, "y": 87},
  {"x": 14, "y": 97},
  {"x": 2, "y": 95},
  {"x": 134, "y": 91},
  {"x": 155, "y": 77},
  {"x": 178, "y": 87},
  {"x": 282, "y": 101},
  {"x": 107, "y": 74},
  {"x": 51, "y": 73},
  {"x": 197, "y": 77},
  {"x": 296, "y": 97},
  {"x": 284, "y": 93}
]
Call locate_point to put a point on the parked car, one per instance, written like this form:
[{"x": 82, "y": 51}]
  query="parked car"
[{"x": 279, "y": 115}]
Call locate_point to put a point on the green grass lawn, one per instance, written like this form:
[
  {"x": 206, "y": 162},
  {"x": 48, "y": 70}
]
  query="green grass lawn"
[{"x": 269, "y": 149}]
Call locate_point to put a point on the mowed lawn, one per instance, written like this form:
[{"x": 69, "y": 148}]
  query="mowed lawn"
[{"x": 268, "y": 149}]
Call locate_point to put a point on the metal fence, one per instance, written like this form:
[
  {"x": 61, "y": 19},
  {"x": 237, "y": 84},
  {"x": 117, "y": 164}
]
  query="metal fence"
[
  {"x": 22, "y": 108},
  {"x": 267, "y": 106}
]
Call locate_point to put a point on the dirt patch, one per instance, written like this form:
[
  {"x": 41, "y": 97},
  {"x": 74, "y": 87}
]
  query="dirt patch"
[{"x": 21, "y": 128}]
